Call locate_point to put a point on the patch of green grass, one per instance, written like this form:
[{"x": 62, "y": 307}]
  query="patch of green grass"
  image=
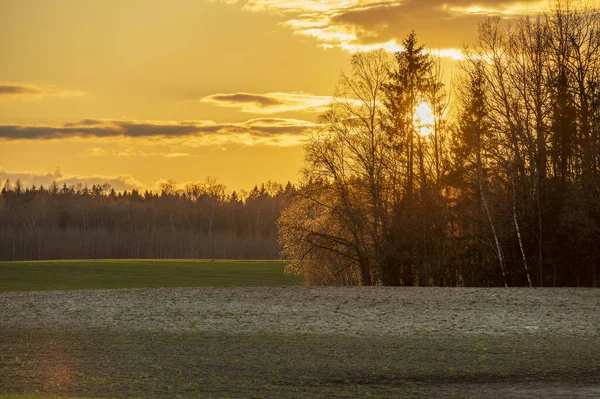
[
  {"x": 35, "y": 396},
  {"x": 95, "y": 274}
]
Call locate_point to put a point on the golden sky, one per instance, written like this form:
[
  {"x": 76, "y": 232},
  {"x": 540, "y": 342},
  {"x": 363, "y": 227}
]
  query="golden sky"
[{"x": 134, "y": 92}]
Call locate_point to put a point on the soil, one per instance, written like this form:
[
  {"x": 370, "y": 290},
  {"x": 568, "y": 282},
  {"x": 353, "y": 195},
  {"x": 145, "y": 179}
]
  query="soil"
[{"x": 302, "y": 342}]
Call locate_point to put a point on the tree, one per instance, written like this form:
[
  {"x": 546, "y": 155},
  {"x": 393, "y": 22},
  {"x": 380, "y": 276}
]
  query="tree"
[
  {"x": 347, "y": 191},
  {"x": 411, "y": 82}
]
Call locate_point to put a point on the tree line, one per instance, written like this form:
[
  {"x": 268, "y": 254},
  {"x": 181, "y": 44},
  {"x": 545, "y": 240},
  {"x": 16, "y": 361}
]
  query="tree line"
[
  {"x": 200, "y": 221},
  {"x": 498, "y": 186}
]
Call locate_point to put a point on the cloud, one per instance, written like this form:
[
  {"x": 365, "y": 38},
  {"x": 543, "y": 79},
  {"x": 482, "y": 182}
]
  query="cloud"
[
  {"x": 119, "y": 183},
  {"x": 96, "y": 152},
  {"x": 500, "y": 8},
  {"x": 10, "y": 90},
  {"x": 140, "y": 153},
  {"x": 24, "y": 91},
  {"x": 270, "y": 103},
  {"x": 262, "y": 101},
  {"x": 177, "y": 155},
  {"x": 358, "y": 25},
  {"x": 84, "y": 122},
  {"x": 260, "y": 131}
]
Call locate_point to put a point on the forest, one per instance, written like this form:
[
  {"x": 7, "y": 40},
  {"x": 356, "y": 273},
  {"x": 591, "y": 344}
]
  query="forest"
[
  {"x": 496, "y": 185},
  {"x": 199, "y": 221}
]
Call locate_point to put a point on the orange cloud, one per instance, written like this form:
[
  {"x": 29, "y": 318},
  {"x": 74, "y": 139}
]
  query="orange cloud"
[
  {"x": 360, "y": 25},
  {"x": 270, "y": 103},
  {"x": 102, "y": 152},
  {"x": 27, "y": 178},
  {"x": 25, "y": 91},
  {"x": 503, "y": 8},
  {"x": 259, "y": 131},
  {"x": 96, "y": 152},
  {"x": 176, "y": 155}
]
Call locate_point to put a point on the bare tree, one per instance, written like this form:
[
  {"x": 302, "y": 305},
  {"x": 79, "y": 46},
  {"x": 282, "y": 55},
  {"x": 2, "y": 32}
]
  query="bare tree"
[{"x": 346, "y": 177}]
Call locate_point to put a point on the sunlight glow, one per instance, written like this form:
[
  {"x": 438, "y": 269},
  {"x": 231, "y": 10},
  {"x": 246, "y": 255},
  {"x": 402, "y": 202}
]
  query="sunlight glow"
[
  {"x": 506, "y": 9},
  {"x": 424, "y": 119}
]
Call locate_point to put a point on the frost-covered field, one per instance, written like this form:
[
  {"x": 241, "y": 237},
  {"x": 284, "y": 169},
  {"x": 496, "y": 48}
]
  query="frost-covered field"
[{"x": 297, "y": 341}]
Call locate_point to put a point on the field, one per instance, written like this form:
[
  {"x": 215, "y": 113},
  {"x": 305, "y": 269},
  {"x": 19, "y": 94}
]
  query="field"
[
  {"x": 294, "y": 341},
  {"x": 93, "y": 274}
]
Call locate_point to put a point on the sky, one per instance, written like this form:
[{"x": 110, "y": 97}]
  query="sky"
[{"x": 135, "y": 92}]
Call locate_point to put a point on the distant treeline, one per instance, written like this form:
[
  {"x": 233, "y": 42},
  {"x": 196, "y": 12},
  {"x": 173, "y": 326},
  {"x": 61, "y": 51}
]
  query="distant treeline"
[{"x": 200, "y": 221}]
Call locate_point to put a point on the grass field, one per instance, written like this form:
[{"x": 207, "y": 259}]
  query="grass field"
[
  {"x": 106, "y": 274},
  {"x": 35, "y": 396}
]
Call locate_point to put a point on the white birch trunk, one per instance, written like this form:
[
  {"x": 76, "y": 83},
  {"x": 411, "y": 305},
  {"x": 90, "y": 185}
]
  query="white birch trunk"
[
  {"x": 518, "y": 230},
  {"x": 492, "y": 226}
]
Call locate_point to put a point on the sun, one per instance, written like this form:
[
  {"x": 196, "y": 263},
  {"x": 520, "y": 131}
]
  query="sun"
[{"x": 424, "y": 119}]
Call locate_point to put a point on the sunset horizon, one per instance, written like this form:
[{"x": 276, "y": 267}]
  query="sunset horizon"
[{"x": 134, "y": 95}]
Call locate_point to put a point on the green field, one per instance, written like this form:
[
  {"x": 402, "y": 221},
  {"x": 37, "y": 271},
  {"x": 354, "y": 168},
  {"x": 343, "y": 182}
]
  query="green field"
[
  {"x": 34, "y": 396},
  {"x": 94, "y": 274}
]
